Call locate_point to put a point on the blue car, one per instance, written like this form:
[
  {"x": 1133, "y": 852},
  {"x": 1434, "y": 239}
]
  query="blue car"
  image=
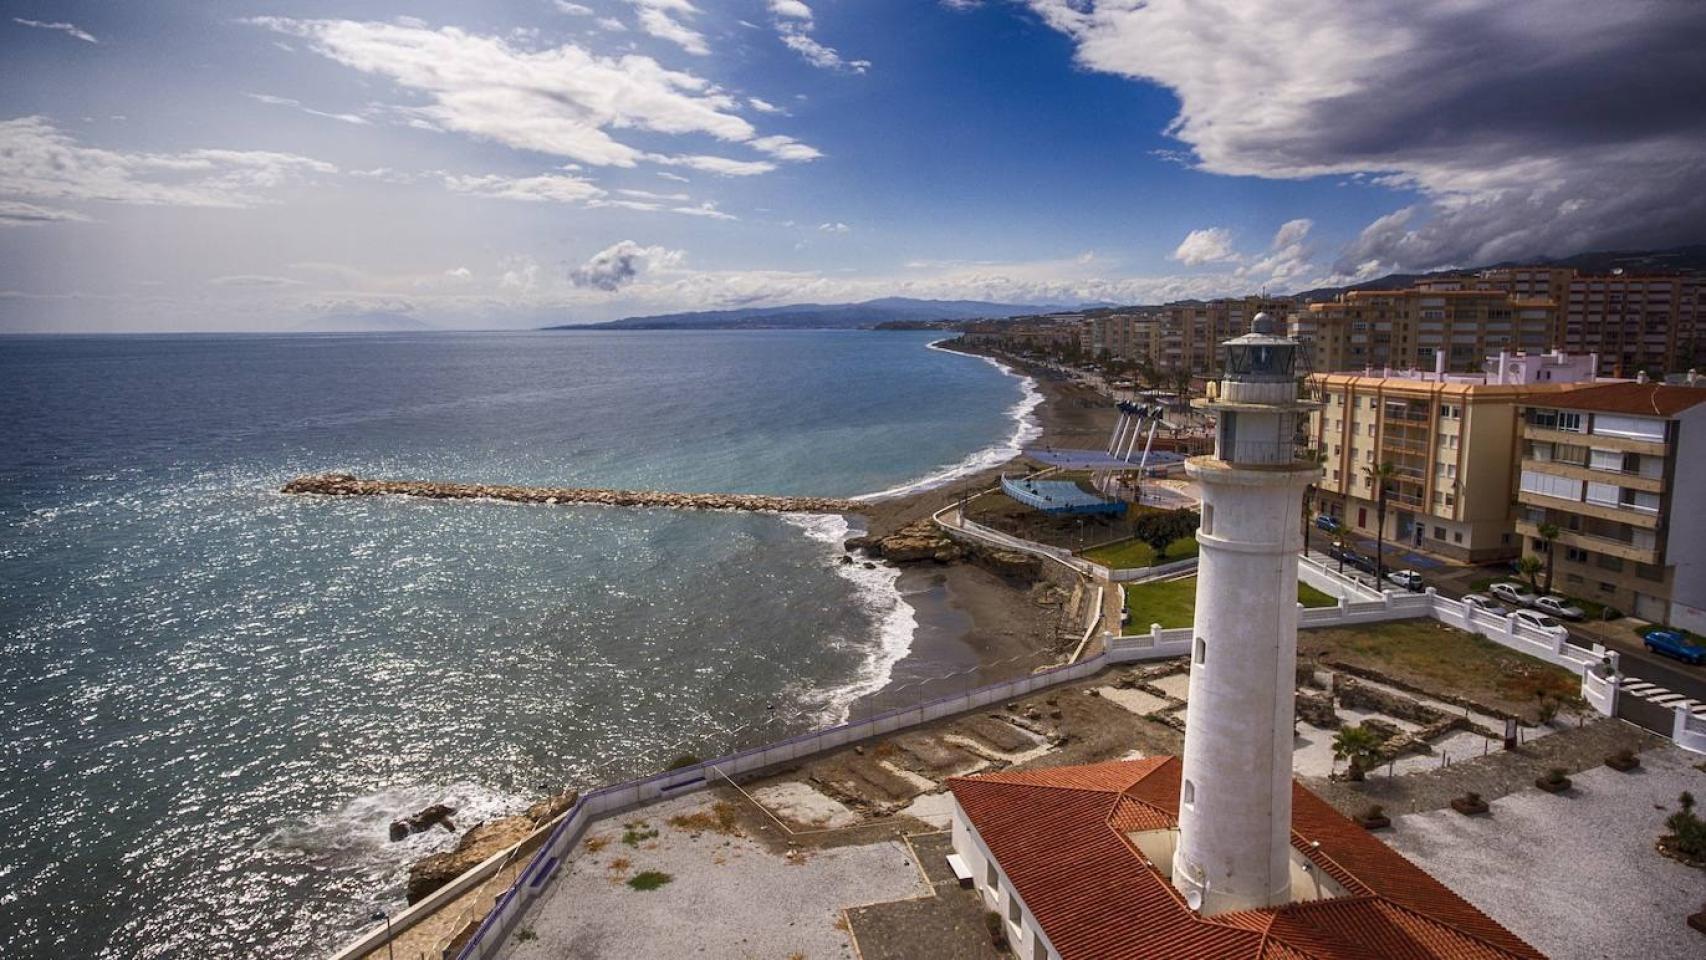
[
  {"x": 1672, "y": 643},
  {"x": 1327, "y": 523}
]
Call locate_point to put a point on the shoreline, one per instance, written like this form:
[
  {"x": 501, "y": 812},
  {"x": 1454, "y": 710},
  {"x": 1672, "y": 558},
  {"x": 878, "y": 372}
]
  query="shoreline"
[{"x": 973, "y": 626}]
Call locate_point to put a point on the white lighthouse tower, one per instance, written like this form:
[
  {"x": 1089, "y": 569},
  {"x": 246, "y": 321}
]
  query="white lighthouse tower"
[{"x": 1234, "y": 845}]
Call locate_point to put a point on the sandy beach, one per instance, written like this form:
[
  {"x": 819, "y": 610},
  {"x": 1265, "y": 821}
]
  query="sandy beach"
[{"x": 975, "y": 627}]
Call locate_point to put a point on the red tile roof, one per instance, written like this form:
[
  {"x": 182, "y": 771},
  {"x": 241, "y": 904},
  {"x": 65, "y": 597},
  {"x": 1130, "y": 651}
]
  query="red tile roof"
[
  {"x": 1059, "y": 836},
  {"x": 1635, "y": 399}
]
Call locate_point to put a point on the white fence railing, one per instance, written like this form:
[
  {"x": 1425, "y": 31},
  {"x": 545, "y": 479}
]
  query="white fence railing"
[
  {"x": 1689, "y": 731},
  {"x": 1145, "y": 573},
  {"x": 1334, "y": 584}
]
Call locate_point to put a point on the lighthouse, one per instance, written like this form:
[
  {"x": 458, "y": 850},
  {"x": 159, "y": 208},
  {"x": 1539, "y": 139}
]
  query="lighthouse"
[{"x": 1234, "y": 842}]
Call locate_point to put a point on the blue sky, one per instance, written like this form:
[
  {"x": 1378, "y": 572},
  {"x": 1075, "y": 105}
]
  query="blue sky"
[{"x": 232, "y": 165}]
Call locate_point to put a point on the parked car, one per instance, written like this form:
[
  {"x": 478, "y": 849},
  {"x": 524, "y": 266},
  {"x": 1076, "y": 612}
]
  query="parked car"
[
  {"x": 1541, "y": 621},
  {"x": 1558, "y": 607},
  {"x": 1675, "y": 643},
  {"x": 1480, "y": 601},
  {"x": 1512, "y": 593},
  {"x": 1327, "y": 523},
  {"x": 1408, "y": 579}
]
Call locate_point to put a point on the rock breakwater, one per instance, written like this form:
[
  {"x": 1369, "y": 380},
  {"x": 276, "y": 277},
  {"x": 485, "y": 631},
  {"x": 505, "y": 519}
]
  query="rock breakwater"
[{"x": 345, "y": 485}]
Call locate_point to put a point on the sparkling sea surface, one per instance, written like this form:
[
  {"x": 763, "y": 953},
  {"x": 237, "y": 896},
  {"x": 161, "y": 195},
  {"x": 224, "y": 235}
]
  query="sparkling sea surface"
[{"x": 215, "y": 697}]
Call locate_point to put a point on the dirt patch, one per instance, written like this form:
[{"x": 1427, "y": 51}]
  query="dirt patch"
[
  {"x": 998, "y": 733},
  {"x": 799, "y": 804}
]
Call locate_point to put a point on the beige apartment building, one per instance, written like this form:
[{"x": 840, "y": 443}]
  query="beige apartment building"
[
  {"x": 1127, "y": 336},
  {"x": 1620, "y": 469},
  {"x": 1637, "y": 323},
  {"x": 1452, "y": 441},
  {"x": 1413, "y": 329}
]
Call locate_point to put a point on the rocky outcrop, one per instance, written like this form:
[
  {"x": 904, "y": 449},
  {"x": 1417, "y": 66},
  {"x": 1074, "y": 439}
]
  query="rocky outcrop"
[
  {"x": 914, "y": 543},
  {"x": 1009, "y": 564},
  {"x": 480, "y": 843},
  {"x": 345, "y": 485},
  {"x": 437, "y": 815}
]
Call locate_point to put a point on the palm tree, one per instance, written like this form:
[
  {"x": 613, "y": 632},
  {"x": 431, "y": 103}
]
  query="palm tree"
[
  {"x": 1358, "y": 746},
  {"x": 1549, "y": 532},
  {"x": 1380, "y": 476},
  {"x": 1529, "y": 566}
]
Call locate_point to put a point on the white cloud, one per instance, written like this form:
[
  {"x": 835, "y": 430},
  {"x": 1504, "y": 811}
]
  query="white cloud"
[
  {"x": 794, "y": 25},
  {"x": 1208, "y": 245},
  {"x": 1288, "y": 258},
  {"x": 70, "y": 29},
  {"x": 707, "y": 209},
  {"x": 676, "y": 177},
  {"x": 560, "y": 100},
  {"x": 722, "y": 166},
  {"x": 658, "y": 18},
  {"x": 460, "y": 273},
  {"x": 834, "y": 227},
  {"x": 619, "y": 264},
  {"x": 254, "y": 280},
  {"x": 1525, "y": 131},
  {"x": 574, "y": 9},
  {"x": 611, "y": 25},
  {"x": 650, "y": 195},
  {"x": 39, "y": 160},
  {"x": 786, "y": 148},
  {"x": 14, "y": 213},
  {"x": 763, "y": 106},
  {"x": 546, "y": 188},
  {"x": 288, "y": 102}
]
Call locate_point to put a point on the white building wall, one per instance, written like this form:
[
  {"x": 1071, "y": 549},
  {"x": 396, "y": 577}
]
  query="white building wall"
[
  {"x": 1685, "y": 542},
  {"x": 1026, "y": 937}
]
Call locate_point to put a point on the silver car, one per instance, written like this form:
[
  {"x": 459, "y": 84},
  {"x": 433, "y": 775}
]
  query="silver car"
[
  {"x": 1512, "y": 593},
  {"x": 1480, "y": 601},
  {"x": 1559, "y": 607}
]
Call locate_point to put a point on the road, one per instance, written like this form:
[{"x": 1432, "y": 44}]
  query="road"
[{"x": 1453, "y": 581}]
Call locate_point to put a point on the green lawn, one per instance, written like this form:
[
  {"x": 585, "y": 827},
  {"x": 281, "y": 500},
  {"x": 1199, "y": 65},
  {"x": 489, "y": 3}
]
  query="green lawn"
[
  {"x": 1134, "y": 554},
  {"x": 1172, "y": 603}
]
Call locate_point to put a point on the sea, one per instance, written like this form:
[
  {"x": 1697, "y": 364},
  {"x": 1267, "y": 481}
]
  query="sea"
[{"x": 216, "y": 697}]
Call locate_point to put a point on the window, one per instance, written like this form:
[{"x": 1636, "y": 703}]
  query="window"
[
  {"x": 1457, "y": 536},
  {"x": 1549, "y": 485},
  {"x": 1190, "y": 793},
  {"x": 1647, "y": 571},
  {"x": 1609, "y": 562},
  {"x": 1575, "y": 555},
  {"x": 1199, "y": 651},
  {"x": 1206, "y": 524},
  {"x": 1639, "y": 428},
  {"x": 991, "y": 878},
  {"x": 1014, "y": 911},
  {"x": 1439, "y": 533},
  {"x": 1607, "y": 587},
  {"x": 1611, "y": 460},
  {"x": 1604, "y": 494}
]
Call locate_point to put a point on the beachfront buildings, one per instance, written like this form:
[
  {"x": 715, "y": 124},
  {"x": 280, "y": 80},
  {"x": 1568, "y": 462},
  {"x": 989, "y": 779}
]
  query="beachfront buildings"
[
  {"x": 1451, "y": 441},
  {"x": 1618, "y": 471},
  {"x": 1417, "y": 328}
]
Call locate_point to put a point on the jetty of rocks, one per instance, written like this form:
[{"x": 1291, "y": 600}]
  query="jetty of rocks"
[{"x": 345, "y": 485}]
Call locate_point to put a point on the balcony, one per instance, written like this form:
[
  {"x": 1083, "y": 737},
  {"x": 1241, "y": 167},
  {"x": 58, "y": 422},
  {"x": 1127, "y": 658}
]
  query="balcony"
[
  {"x": 1544, "y": 435},
  {"x": 1635, "y": 518},
  {"x": 1623, "y": 478},
  {"x": 1596, "y": 544}
]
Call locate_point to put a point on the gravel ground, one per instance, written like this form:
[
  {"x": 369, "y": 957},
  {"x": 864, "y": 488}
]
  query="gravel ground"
[
  {"x": 1575, "y": 875},
  {"x": 728, "y": 897}
]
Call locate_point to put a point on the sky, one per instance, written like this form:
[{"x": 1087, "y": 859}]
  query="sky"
[{"x": 255, "y": 165}]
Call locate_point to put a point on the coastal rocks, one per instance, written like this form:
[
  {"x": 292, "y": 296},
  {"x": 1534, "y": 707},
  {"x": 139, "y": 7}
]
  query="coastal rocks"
[
  {"x": 437, "y": 815},
  {"x": 914, "y": 543},
  {"x": 480, "y": 843},
  {"x": 1009, "y": 564},
  {"x": 346, "y": 485},
  {"x": 1316, "y": 709}
]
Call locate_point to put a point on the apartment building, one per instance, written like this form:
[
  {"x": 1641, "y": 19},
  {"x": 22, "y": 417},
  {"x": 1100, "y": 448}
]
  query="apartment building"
[
  {"x": 1451, "y": 440},
  {"x": 1415, "y": 328},
  {"x": 1192, "y": 331},
  {"x": 1620, "y": 470},
  {"x": 1127, "y": 336},
  {"x": 1637, "y": 323}
]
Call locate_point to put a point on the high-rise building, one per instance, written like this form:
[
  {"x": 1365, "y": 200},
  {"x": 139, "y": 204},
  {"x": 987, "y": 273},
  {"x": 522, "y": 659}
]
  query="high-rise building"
[
  {"x": 1450, "y": 441},
  {"x": 1616, "y": 468},
  {"x": 1637, "y": 323},
  {"x": 1415, "y": 328}
]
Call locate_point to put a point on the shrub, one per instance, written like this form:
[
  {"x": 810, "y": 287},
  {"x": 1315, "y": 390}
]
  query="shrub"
[
  {"x": 997, "y": 930},
  {"x": 637, "y": 832},
  {"x": 1557, "y": 775},
  {"x": 1548, "y": 709},
  {"x": 649, "y": 880},
  {"x": 1374, "y": 812},
  {"x": 1687, "y": 830},
  {"x": 685, "y": 760}
]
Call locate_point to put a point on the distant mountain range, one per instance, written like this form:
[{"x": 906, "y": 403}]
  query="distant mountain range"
[{"x": 817, "y": 316}]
